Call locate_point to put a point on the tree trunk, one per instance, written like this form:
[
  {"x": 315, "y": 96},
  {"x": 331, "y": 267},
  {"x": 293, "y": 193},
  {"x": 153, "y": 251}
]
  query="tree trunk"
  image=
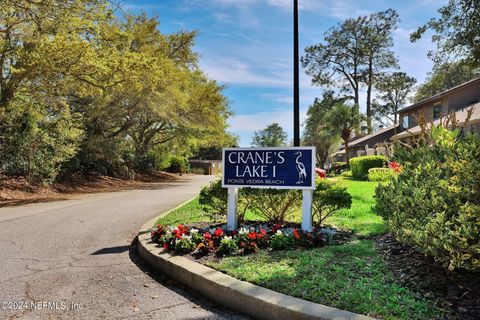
[{"x": 347, "y": 156}]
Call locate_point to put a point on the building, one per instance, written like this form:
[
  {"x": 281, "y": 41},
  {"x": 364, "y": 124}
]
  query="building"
[
  {"x": 457, "y": 100},
  {"x": 375, "y": 143}
]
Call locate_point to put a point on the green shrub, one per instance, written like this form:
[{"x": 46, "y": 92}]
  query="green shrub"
[
  {"x": 360, "y": 165},
  {"x": 347, "y": 174},
  {"x": 213, "y": 199},
  {"x": 178, "y": 165},
  {"x": 273, "y": 205},
  {"x": 35, "y": 142},
  {"x": 328, "y": 198},
  {"x": 381, "y": 174},
  {"x": 434, "y": 204}
]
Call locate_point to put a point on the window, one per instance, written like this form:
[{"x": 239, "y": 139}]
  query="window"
[
  {"x": 437, "y": 111},
  {"x": 405, "y": 121}
]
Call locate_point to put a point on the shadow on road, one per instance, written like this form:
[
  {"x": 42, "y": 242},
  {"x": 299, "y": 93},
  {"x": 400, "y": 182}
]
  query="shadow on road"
[
  {"x": 111, "y": 250},
  {"x": 193, "y": 296}
]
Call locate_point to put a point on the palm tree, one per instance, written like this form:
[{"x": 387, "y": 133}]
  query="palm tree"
[{"x": 343, "y": 119}]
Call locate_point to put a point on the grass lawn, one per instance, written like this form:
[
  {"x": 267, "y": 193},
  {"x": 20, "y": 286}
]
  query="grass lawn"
[
  {"x": 188, "y": 213},
  {"x": 351, "y": 276},
  {"x": 360, "y": 218}
]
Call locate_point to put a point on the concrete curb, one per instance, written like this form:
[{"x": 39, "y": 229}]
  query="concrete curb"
[{"x": 244, "y": 297}]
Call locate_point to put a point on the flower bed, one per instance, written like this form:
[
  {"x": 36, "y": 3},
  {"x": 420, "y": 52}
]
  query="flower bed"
[{"x": 248, "y": 238}]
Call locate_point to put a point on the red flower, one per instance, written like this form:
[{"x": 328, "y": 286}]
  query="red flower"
[
  {"x": 395, "y": 166},
  {"x": 252, "y": 235},
  {"x": 234, "y": 232},
  {"x": 207, "y": 235},
  {"x": 321, "y": 173},
  {"x": 218, "y": 232},
  {"x": 166, "y": 246},
  {"x": 182, "y": 229},
  {"x": 178, "y": 235},
  {"x": 296, "y": 233}
]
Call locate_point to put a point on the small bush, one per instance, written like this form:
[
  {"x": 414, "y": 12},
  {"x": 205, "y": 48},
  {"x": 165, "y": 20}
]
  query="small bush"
[
  {"x": 328, "y": 198},
  {"x": 273, "y": 205},
  {"x": 347, "y": 174},
  {"x": 360, "y": 165},
  {"x": 178, "y": 165},
  {"x": 213, "y": 199},
  {"x": 381, "y": 174},
  {"x": 434, "y": 203}
]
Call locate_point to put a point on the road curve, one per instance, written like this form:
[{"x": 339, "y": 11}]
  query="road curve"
[{"x": 74, "y": 259}]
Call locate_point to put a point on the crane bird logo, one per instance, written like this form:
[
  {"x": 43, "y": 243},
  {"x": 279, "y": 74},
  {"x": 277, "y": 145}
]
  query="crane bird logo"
[{"x": 302, "y": 172}]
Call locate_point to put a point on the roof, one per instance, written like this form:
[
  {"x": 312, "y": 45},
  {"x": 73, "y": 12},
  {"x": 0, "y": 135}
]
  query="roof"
[
  {"x": 432, "y": 98},
  {"x": 372, "y": 135},
  {"x": 461, "y": 117}
]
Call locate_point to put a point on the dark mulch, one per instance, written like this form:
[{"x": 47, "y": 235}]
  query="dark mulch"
[
  {"x": 457, "y": 291},
  {"x": 18, "y": 191}
]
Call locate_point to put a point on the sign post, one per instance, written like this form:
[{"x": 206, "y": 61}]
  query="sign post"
[
  {"x": 232, "y": 209},
  {"x": 276, "y": 168}
]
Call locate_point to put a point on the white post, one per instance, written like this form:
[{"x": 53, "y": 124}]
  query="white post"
[
  {"x": 232, "y": 207},
  {"x": 307, "y": 210}
]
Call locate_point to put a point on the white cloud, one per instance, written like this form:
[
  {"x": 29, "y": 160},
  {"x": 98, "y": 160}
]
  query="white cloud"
[{"x": 235, "y": 71}]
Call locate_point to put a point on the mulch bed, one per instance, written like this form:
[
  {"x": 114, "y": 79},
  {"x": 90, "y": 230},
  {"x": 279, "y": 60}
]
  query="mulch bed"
[
  {"x": 458, "y": 291},
  {"x": 20, "y": 191}
]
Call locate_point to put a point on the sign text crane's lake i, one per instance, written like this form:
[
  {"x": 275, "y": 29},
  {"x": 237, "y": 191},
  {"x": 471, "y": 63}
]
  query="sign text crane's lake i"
[{"x": 288, "y": 168}]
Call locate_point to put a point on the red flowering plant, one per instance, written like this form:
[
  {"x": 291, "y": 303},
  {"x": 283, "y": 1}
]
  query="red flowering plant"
[
  {"x": 249, "y": 239},
  {"x": 157, "y": 232},
  {"x": 395, "y": 166},
  {"x": 322, "y": 174}
]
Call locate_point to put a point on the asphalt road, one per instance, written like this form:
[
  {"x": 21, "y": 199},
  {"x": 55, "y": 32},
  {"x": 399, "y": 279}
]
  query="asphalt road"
[{"x": 76, "y": 259}]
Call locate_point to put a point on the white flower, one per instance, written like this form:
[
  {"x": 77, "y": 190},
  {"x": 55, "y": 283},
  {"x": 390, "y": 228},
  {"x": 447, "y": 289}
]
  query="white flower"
[
  {"x": 194, "y": 231},
  {"x": 279, "y": 232},
  {"x": 242, "y": 230},
  {"x": 227, "y": 238}
]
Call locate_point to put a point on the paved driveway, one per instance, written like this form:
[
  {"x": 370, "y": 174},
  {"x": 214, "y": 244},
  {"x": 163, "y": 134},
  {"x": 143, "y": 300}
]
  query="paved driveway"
[{"x": 74, "y": 259}]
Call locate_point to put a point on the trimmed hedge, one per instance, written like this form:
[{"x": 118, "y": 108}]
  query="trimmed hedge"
[
  {"x": 361, "y": 165},
  {"x": 434, "y": 203},
  {"x": 381, "y": 174}
]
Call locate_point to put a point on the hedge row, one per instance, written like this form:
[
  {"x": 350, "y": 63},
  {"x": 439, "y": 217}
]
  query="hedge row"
[{"x": 360, "y": 165}]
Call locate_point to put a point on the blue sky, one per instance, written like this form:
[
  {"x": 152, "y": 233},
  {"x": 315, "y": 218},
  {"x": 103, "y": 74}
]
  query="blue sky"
[{"x": 246, "y": 45}]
